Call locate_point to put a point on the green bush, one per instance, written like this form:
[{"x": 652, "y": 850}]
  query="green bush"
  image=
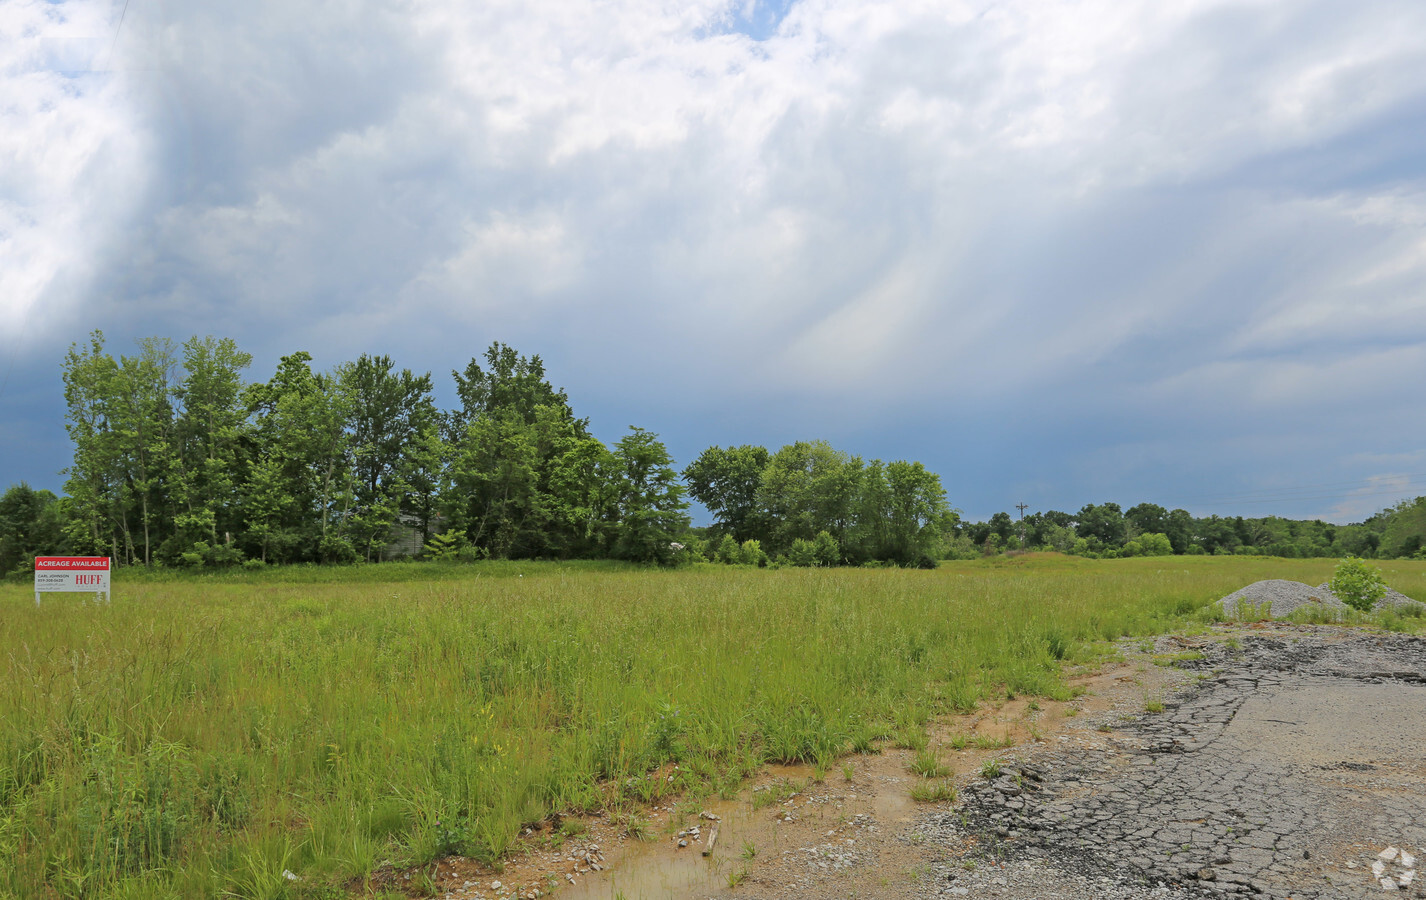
[
  {"x": 752, "y": 554},
  {"x": 727, "y": 551},
  {"x": 1357, "y": 584},
  {"x": 802, "y": 553},
  {"x": 828, "y": 551}
]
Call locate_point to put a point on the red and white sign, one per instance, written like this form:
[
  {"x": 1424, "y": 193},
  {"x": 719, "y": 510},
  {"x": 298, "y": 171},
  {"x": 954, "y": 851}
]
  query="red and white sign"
[{"x": 89, "y": 574}]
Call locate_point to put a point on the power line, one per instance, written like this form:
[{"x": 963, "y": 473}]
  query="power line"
[
  {"x": 1291, "y": 492},
  {"x": 112, "y": 44}
]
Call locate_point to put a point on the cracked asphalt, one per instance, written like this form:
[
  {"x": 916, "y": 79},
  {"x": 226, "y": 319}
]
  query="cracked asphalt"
[{"x": 1292, "y": 765}]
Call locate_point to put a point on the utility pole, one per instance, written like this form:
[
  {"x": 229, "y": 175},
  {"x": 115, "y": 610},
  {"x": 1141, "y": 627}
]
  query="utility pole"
[{"x": 1022, "y": 507}]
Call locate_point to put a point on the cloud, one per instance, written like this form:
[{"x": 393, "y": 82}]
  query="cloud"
[
  {"x": 68, "y": 155},
  {"x": 1080, "y": 212}
]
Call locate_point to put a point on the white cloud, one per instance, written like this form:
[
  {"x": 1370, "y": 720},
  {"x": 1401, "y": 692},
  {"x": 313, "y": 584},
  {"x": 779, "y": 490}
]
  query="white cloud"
[
  {"x": 68, "y": 158},
  {"x": 1030, "y": 201}
]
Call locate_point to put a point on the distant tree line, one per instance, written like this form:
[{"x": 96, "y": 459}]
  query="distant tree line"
[
  {"x": 1105, "y": 531},
  {"x": 179, "y": 461}
]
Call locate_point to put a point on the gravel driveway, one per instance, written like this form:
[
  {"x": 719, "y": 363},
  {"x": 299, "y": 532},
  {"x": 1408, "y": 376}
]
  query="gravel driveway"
[{"x": 1292, "y": 765}]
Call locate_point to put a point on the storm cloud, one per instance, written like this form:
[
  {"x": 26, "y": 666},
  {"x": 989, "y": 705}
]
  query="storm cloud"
[{"x": 1061, "y": 253}]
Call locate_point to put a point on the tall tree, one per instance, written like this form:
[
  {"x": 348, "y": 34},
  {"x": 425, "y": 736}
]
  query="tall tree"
[
  {"x": 94, "y": 482},
  {"x": 807, "y": 487},
  {"x": 523, "y": 468},
  {"x": 648, "y": 498},
  {"x": 209, "y": 432},
  {"x": 388, "y": 412},
  {"x": 1104, "y": 523},
  {"x": 301, "y": 423},
  {"x": 727, "y": 482}
]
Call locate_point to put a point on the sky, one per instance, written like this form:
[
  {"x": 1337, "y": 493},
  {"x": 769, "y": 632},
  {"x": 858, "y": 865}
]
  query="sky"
[{"x": 1060, "y": 252}]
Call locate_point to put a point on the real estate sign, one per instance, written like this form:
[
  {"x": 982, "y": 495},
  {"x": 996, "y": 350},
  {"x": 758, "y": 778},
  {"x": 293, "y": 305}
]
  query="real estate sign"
[{"x": 89, "y": 574}]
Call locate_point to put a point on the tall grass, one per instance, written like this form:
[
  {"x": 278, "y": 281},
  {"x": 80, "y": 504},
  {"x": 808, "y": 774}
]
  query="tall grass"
[{"x": 198, "y": 737}]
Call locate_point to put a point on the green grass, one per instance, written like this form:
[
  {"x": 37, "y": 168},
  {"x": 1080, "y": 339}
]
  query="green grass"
[
  {"x": 927, "y": 765},
  {"x": 933, "y": 792},
  {"x": 202, "y": 734}
]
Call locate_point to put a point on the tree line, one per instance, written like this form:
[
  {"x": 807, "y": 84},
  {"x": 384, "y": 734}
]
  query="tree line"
[
  {"x": 1106, "y": 530},
  {"x": 179, "y": 461}
]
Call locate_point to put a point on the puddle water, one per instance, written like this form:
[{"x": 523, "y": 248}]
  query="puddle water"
[{"x": 659, "y": 871}]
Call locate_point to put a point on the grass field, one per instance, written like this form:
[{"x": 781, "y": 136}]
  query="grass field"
[{"x": 199, "y": 736}]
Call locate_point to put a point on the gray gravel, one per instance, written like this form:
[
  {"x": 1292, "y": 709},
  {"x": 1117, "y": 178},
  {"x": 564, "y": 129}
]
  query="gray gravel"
[
  {"x": 1286, "y": 597},
  {"x": 1290, "y": 770},
  {"x": 1283, "y": 597}
]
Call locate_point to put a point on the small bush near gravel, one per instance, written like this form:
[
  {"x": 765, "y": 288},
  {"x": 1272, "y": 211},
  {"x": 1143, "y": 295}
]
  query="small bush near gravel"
[{"x": 1357, "y": 584}]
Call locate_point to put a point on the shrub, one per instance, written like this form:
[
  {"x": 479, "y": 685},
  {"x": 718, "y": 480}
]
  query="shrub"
[
  {"x": 1357, "y": 584},
  {"x": 802, "y": 553},
  {"x": 727, "y": 551},
  {"x": 751, "y": 554},
  {"x": 828, "y": 551}
]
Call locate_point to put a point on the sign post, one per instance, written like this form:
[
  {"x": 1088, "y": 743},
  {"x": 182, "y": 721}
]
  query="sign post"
[{"x": 86, "y": 574}]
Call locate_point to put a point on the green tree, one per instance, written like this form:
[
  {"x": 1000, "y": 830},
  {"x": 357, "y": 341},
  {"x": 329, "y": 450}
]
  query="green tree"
[
  {"x": 827, "y": 551},
  {"x": 301, "y": 424},
  {"x": 809, "y": 487},
  {"x": 121, "y": 420},
  {"x": 525, "y": 477},
  {"x": 648, "y": 498},
  {"x": 1148, "y": 544},
  {"x": 1104, "y": 523},
  {"x": 29, "y": 526},
  {"x": 902, "y": 514},
  {"x": 209, "y": 432},
  {"x": 1179, "y": 529},
  {"x": 94, "y": 485},
  {"x": 1147, "y": 518},
  {"x": 726, "y": 481},
  {"x": 1405, "y": 529},
  {"x": 388, "y": 413},
  {"x": 727, "y": 551}
]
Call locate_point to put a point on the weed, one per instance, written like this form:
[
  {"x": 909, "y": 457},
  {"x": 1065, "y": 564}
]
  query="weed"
[
  {"x": 990, "y": 769},
  {"x": 1071, "y": 712},
  {"x": 1153, "y": 705},
  {"x": 912, "y": 738},
  {"x": 848, "y": 771},
  {"x": 928, "y": 766},
  {"x": 572, "y": 827},
  {"x": 750, "y": 851},
  {"x": 959, "y": 740},
  {"x": 934, "y": 792},
  {"x": 636, "y": 827},
  {"x": 1175, "y": 659},
  {"x": 1033, "y": 705},
  {"x": 737, "y": 877},
  {"x": 1104, "y": 726}
]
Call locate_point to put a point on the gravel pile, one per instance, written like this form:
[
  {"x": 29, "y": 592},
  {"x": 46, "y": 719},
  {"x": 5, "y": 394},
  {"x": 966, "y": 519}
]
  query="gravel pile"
[
  {"x": 1393, "y": 600},
  {"x": 1283, "y": 597}
]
